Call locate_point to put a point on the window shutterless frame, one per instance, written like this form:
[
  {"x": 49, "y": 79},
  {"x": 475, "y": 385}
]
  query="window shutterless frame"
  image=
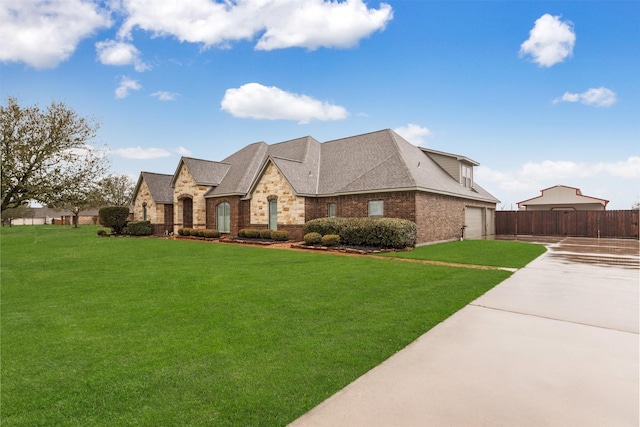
[{"x": 376, "y": 208}]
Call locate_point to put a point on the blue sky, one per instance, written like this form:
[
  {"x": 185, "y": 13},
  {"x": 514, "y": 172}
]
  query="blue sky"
[{"x": 538, "y": 92}]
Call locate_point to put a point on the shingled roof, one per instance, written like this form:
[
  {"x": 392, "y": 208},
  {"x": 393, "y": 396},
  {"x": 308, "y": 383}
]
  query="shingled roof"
[
  {"x": 374, "y": 162},
  {"x": 243, "y": 168},
  {"x": 384, "y": 161},
  {"x": 204, "y": 172},
  {"x": 159, "y": 186}
]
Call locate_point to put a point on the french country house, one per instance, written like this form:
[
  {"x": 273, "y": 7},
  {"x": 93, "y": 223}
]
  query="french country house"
[
  {"x": 281, "y": 186},
  {"x": 563, "y": 198}
]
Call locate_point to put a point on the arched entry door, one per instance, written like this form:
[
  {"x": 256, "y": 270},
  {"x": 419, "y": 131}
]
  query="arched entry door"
[{"x": 187, "y": 213}]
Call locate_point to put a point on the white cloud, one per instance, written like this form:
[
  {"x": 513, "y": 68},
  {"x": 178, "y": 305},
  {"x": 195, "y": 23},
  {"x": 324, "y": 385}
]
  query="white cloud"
[
  {"x": 600, "y": 97},
  {"x": 550, "y": 41},
  {"x": 283, "y": 23},
  {"x": 609, "y": 178},
  {"x": 140, "y": 153},
  {"x": 531, "y": 171},
  {"x": 314, "y": 24},
  {"x": 165, "y": 96},
  {"x": 629, "y": 168},
  {"x": 183, "y": 151},
  {"x": 256, "y": 101},
  {"x": 43, "y": 33},
  {"x": 111, "y": 52},
  {"x": 126, "y": 84},
  {"x": 413, "y": 133}
]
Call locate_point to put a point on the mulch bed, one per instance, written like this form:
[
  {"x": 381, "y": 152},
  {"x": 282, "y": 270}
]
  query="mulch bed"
[{"x": 358, "y": 250}]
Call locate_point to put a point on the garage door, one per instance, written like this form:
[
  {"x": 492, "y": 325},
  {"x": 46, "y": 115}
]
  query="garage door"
[{"x": 474, "y": 222}]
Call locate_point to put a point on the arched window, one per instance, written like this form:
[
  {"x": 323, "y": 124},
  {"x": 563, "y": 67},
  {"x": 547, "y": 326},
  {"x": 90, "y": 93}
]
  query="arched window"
[
  {"x": 224, "y": 217},
  {"x": 273, "y": 214}
]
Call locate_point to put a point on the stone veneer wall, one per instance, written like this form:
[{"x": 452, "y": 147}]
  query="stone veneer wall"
[
  {"x": 185, "y": 186},
  {"x": 155, "y": 212},
  {"x": 291, "y": 208}
]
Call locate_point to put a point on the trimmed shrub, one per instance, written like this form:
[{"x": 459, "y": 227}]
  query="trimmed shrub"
[
  {"x": 312, "y": 238},
  {"x": 211, "y": 234},
  {"x": 280, "y": 235},
  {"x": 330, "y": 240},
  {"x": 375, "y": 232},
  {"x": 242, "y": 233},
  {"x": 251, "y": 233},
  {"x": 181, "y": 231},
  {"x": 139, "y": 228},
  {"x": 193, "y": 232},
  {"x": 324, "y": 226},
  {"x": 102, "y": 233},
  {"x": 265, "y": 234},
  {"x": 114, "y": 217}
]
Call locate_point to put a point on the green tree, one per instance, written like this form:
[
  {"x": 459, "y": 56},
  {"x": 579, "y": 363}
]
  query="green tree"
[
  {"x": 46, "y": 154},
  {"x": 116, "y": 190}
]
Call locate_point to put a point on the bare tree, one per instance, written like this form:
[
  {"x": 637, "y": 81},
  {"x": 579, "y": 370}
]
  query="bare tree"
[
  {"x": 46, "y": 154},
  {"x": 22, "y": 211}
]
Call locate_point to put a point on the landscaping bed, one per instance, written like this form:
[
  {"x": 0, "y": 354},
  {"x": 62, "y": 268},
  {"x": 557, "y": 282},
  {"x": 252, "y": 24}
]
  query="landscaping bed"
[{"x": 361, "y": 250}]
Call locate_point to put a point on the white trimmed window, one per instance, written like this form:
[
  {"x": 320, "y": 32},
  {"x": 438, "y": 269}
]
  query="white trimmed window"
[
  {"x": 376, "y": 208},
  {"x": 224, "y": 217},
  {"x": 467, "y": 176},
  {"x": 331, "y": 210},
  {"x": 273, "y": 214}
]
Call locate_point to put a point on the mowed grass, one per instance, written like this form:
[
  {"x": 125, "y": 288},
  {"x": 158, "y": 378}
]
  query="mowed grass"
[
  {"x": 496, "y": 253},
  {"x": 153, "y": 332}
]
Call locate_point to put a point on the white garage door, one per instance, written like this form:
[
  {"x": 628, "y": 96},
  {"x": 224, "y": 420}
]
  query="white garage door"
[{"x": 474, "y": 222}]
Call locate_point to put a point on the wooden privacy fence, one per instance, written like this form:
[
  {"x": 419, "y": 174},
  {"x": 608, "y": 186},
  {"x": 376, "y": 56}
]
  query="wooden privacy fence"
[{"x": 620, "y": 224}]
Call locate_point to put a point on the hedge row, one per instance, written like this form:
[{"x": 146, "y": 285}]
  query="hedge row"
[
  {"x": 251, "y": 233},
  {"x": 138, "y": 228},
  {"x": 199, "y": 232},
  {"x": 374, "y": 232}
]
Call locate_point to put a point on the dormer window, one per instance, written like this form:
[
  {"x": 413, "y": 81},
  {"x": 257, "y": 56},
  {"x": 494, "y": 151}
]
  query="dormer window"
[{"x": 467, "y": 176}]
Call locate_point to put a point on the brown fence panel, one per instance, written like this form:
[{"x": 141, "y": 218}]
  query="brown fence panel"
[{"x": 620, "y": 224}]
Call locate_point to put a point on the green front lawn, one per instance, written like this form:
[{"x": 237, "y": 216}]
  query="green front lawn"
[
  {"x": 144, "y": 331},
  {"x": 496, "y": 253}
]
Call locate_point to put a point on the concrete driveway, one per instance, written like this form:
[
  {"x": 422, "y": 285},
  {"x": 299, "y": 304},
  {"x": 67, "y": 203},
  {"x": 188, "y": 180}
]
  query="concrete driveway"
[{"x": 556, "y": 344}]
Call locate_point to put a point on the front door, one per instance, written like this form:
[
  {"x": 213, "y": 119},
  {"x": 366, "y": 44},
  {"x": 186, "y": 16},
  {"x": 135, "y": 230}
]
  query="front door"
[
  {"x": 168, "y": 218},
  {"x": 187, "y": 213}
]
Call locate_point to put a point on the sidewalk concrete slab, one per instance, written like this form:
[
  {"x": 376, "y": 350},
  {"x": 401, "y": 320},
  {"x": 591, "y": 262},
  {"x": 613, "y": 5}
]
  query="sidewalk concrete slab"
[{"x": 556, "y": 344}]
